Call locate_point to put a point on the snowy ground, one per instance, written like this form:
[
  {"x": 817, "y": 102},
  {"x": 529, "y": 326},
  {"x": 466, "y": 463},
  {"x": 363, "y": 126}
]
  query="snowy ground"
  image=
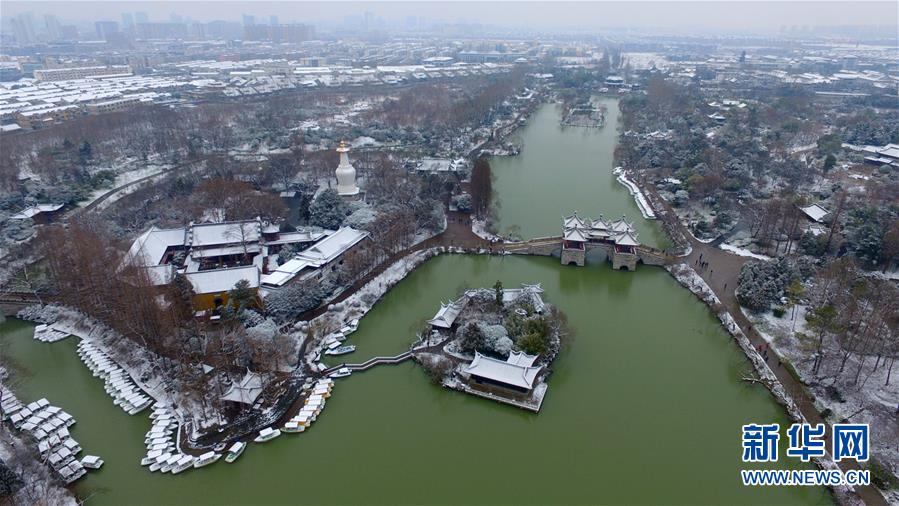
[
  {"x": 871, "y": 401},
  {"x": 639, "y": 198},
  {"x": 124, "y": 177},
  {"x": 743, "y": 252},
  {"x": 479, "y": 227}
]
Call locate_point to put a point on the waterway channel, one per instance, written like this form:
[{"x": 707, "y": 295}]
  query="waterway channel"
[{"x": 645, "y": 405}]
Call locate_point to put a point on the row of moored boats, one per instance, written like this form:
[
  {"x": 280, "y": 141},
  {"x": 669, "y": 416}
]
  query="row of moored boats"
[
  {"x": 119, "y": 384},
  {"x": 48, "y": 426},
  {"x": 49, "y": 334},
  {"x": 319, "y": 391},
  {"x": 162, "y": 449},
  {"x": 313, "y": 405}
]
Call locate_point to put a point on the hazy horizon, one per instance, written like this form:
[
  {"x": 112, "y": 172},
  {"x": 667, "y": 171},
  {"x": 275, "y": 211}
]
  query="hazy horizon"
[{"x": 706, "y": 16}]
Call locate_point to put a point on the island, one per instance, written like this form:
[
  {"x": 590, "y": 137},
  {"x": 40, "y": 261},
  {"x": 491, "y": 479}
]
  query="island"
[{"x": 495, "y": 343}]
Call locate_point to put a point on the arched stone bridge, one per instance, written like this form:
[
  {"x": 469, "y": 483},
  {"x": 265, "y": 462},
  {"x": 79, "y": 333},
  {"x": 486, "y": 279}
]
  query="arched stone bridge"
[{"x": 554, "y": 246}]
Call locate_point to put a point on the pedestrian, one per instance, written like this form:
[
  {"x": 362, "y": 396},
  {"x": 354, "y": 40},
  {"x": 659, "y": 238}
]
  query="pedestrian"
[
  {"x": 700, "y": 255},
  {"x": 725, "y": 286}
]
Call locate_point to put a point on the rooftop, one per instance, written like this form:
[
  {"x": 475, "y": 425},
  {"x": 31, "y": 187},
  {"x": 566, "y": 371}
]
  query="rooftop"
[{"x": 510, "y": 372}]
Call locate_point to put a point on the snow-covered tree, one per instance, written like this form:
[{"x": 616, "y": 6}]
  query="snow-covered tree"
[
  {"x": 294, "y": 299},
  {"x": 328, "y": 210}
]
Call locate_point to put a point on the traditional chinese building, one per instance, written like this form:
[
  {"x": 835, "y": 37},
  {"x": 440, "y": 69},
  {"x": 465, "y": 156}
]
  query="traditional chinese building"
[{"x": 618, "y": 239}]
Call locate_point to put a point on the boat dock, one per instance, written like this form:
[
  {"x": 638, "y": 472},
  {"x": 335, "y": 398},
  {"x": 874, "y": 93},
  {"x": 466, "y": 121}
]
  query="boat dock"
[{"x": 119, "y": 384}]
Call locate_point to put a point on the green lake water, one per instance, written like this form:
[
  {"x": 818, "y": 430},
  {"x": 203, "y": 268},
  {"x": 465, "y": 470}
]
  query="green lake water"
[{"x": 644, "y": 407}]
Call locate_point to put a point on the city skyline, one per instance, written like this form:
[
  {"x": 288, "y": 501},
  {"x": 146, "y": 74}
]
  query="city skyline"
[{"x": 704, "y": 17}]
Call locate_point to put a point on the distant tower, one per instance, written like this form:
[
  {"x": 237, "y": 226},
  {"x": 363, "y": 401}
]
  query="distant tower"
[{"x": 346, "y": 174}]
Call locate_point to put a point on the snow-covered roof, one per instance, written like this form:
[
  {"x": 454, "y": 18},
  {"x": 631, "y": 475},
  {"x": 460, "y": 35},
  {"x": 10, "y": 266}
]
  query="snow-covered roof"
[
  {"x": 448, "y": 313},
  {"x": 575, "y": 234},
  {"x": 237, "y": 249},
  {"x": 508, "y": 373},
  {"x": 222, "y": 280},
  {"x": 332, "y": 246},
  {"x": 436, "y": 165},
  {"x": 626, "y": 239},
  {"x": 815, "y": 212},
  {"x": 285, "y": 272},
  {"x": 150, "y": 247},
  {"x": 574, "y": 221},
  {"x": 246, "y": 390},
  {"x": 298, "y": 236},
  {"x": 36, "y": 210},
  {"x": 621, "y": 225},
  {"x": 521, "y": 358},
  {"x": 214, "y": 234}
]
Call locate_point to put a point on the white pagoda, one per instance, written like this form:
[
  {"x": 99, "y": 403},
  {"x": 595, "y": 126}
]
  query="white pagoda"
[{"x": 346, "y": 173}]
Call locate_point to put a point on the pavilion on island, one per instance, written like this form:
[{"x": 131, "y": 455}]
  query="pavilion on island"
[{"x": 517, "y": 373}]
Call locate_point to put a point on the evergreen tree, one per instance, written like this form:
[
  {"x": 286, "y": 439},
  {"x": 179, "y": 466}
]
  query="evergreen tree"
[{"x": 328, "y": 210}]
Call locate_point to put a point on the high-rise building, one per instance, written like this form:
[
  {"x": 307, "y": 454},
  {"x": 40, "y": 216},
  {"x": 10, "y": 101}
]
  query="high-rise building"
[
  {"x": 23, "y": 28},
  {"x": 273, "y": 20},
  {"x": 54, "y": 32},
  {"x": 249, "y": 20},
  {"x": 68, "y": 32},
  {"x": 127, "y": 21},
  {"x": 105, "y": 29},
  {"x": 161, "y": 30},
  {"x": 141, "y": 17},
  {"x": 280, "y": 33}
]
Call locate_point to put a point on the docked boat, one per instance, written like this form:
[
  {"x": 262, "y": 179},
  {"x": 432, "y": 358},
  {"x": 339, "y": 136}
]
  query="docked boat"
[
  {"x": 341, "y": 373},
  {"x": 349, "y": 328},
  {"x": 161, "y": 461},
  {"x": 235, "y": 451},
  {"x": 267, "y": 434},
  {"x": 341, "y": 350},
  {"x": 292, "y": 427},
  {"x": 171, "y": 462},
  {"x": 151, "y": 457},
  {"x": 185, "y": 462},
  {"x": 92, "y": 462},
  {"x": 206, "y": 459}
]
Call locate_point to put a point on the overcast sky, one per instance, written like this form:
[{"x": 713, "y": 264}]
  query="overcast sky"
[{"x": 716, "y": 16}]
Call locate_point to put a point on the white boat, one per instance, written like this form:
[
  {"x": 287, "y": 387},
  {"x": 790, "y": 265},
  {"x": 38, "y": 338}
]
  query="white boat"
[
  {"x": 92, "y": 462},
  {"x": 72, "y": 446},
  {"x": 171, "y": 463},
  {"x": 206, "y": 459},
  {"x": 185, "y": 462},
  {"x": 267, "y": 434},
  {"x": 235, "y": 451},
  {"x": 341, "y": 350},
  {"x": 161, "y": 460},
  {"x": 341, "y": 373},
  {"x": 293, "y": 427},
  {"x": 151, "y": 457}
]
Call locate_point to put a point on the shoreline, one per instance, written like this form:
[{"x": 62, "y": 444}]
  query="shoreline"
[{"x": 635, "y": 191}]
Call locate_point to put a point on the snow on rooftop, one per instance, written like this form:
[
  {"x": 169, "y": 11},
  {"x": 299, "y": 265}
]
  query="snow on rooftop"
[
  {"x": 222, "y": 280},
  {"x": 815, "y": 212},
  {"x": 513, "y": 374},
  {"x": 332, "y": 246}
]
